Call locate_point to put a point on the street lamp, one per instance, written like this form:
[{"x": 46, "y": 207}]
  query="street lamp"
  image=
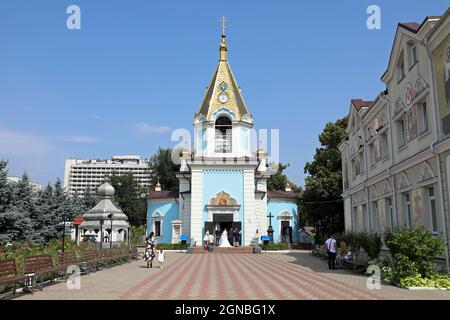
[
  {"x": 101, "y": 234},
  {"x": 64, "y": 233},
  {"x": 111, "y": 217}
]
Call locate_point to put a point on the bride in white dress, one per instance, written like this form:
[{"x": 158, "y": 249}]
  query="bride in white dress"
[{"x": 223, "y": 242}]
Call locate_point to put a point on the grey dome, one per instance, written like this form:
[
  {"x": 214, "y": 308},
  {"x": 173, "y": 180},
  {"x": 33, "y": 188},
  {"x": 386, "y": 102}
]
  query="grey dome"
[{"x": 106, "y": 190}]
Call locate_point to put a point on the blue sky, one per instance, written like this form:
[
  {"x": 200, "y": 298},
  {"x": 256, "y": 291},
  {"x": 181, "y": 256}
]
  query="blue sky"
[{"x": 81, "y": 92}]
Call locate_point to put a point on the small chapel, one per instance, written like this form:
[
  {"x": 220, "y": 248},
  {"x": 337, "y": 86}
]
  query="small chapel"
[{"x": 222, "y": 181}]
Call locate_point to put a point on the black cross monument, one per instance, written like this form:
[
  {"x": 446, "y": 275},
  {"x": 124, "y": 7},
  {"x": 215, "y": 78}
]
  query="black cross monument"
[{"x": 270, "y": 229}]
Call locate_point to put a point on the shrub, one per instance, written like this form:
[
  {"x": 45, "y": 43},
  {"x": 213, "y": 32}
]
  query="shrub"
[
  {"x": 137, "y": 234},
  {"x": 415, "y": 247},
  {"x": 369, "y": 242},
  {"x": 171, "y": 246},
  {"x": 275, "y": 246},
  {"x": 403, "y": 268},
  {"x": 435, "y": 281}
]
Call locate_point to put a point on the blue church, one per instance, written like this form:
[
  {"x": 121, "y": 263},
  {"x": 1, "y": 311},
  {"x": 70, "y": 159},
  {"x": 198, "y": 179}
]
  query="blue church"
[{"x": 222, "y": 181}]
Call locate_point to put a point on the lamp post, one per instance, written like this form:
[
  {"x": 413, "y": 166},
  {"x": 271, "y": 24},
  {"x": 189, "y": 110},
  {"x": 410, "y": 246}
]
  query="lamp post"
[
  {"x": 64, "y": 233},
  {"x": 111, "y": 216},
  {"x": 101, "y": 234}
]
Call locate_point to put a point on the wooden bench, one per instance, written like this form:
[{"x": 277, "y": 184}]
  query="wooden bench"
[
  {"x": 65, "y": 260},
  {"x": 315, "y": 251},
  {"x": 321, "y": 252},
  {"x": 106, "y": 257},
  {"x": 359, "y": 262},
  {"x": 120, "y": 254},
  {"x": 38, "y": 266},
  {"x": 134, "y": 254},
  {"x": 9, "y": 273}
]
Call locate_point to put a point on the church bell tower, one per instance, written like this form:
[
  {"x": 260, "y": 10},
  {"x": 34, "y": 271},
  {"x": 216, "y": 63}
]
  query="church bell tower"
[{"x": 222, "y": 124}]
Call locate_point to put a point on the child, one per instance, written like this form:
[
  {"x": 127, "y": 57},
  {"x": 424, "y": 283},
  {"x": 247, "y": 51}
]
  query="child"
[{"x": 161, "y": 258}]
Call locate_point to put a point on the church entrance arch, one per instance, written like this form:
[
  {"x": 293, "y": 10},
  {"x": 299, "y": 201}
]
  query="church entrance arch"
[{"x": 223, "y": 213}]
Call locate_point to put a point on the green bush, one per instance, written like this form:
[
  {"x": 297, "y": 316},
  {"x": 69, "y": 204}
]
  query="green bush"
[
  {"x": 275, "y": 246},
  {"x": 137, "y": 235},
  {"x": 171, "y": 246},
  {"x": 435, "y": 281},
  {"x": 369, "y": 242},
  {"x": 386, "y": 270},
  {"x": 415, "y": 247},
  {"x": 403, "y": 268}
]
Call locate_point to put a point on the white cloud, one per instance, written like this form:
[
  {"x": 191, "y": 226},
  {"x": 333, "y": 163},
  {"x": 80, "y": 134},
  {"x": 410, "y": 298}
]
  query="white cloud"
[
  {"x": 80, "y": 139},
  {"x": 143, "y": 127},
  {"x": 14, "y": 143}
]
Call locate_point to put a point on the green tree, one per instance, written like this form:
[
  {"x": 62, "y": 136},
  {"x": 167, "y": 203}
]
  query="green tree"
[
  {"x": 15, "y": 225},
  {"x": 278, "y": 181},
  {"x": 5, "y": 188},
  {"x": 76, "y": 204},
  {"x": 44, "y": 219},
  {"x": 23, "y": 196},
  {"x": 130, "y": 197},
  {"x": 322, "y": 201},
  {"x": 90, "y": 199},
  {"x": 163, "y": 169},
  {"x": 15, "y": 222}
]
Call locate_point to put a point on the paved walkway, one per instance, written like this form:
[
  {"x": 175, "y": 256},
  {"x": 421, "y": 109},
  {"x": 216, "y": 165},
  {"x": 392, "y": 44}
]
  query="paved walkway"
[{"x": 220, "y": 276}]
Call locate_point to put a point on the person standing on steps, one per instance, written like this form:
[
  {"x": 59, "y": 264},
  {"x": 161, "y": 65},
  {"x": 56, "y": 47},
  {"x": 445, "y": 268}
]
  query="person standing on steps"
[
  {"x": 211, "y": 243},
  {"x": 206, "y": 240},
  {"x": 231, "y": 236},
  {"x": 330, "y": 246}
]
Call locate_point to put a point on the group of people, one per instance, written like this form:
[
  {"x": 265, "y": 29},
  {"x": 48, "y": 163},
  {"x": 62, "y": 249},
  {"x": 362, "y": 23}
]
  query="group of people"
[
  {"x": 340, "y": 255},
  {"x": 151, "y": 251},
  {"x": 228, "y": 238}
]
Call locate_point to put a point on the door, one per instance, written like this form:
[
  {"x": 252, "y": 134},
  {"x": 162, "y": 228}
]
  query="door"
[{"x": 285, "y": 231}]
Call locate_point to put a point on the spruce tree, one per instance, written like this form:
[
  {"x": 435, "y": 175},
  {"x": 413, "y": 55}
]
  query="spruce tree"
[
  {"x": 5, "y": 188},
  {"x": 22, "y": 208},
  {"x": 90, "y": 199},
  {"x": 76, "y": 204},
  {"x": 44, "y": 219}
]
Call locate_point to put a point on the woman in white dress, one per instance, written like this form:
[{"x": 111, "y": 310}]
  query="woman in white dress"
[{"x": 223, "y": 242}]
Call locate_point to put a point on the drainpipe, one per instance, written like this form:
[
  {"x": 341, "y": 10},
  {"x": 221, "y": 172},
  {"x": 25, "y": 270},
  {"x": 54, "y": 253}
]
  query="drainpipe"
[
  {"x": 394, "y": 187},
  {"x": 366, "y": 165},
  {"x": 432, "y": 148}
]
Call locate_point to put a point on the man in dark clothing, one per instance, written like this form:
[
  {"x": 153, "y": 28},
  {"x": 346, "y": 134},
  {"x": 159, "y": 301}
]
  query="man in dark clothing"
[
  {"x": 217, "y": 237},
  {"x": 231, "y": 236},
  {"x": 236, "y": 237}
]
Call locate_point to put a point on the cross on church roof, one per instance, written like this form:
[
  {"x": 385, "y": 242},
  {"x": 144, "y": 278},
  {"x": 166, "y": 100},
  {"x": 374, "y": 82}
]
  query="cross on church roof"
[{"x": 223, "y": 22}]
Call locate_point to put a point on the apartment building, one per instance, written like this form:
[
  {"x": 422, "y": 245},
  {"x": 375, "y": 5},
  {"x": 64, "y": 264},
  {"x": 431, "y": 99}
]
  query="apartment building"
[
  {"x": 79, "y": 174},
  {"x": 35, "y": 186}
]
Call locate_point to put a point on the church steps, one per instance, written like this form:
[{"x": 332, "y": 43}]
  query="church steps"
[{"x": 234, "y": 250}]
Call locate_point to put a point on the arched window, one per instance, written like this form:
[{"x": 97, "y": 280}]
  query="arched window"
[{"x": 223, "y": 137}]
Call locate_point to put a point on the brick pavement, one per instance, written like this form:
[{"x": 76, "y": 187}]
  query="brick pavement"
[{"x": 296, "y": 275}]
